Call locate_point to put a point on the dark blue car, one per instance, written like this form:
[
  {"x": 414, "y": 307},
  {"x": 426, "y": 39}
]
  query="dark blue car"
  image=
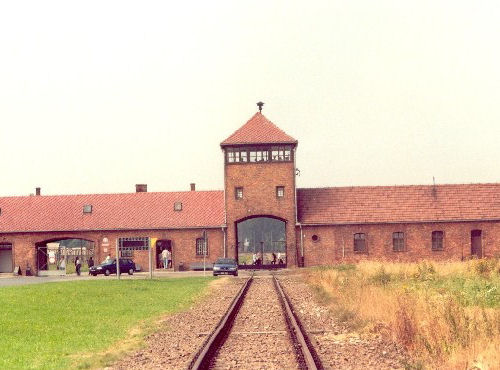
[
  {"x": 108, "y": 267},
  {"x": 225, "y": 266}
]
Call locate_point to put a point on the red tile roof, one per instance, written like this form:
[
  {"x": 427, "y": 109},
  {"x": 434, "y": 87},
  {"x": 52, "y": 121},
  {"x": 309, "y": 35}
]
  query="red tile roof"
[
  {"x": 394, "y": 204},
  {"x": 112, "y": 211},
  {"x": 259, "y": 130}
]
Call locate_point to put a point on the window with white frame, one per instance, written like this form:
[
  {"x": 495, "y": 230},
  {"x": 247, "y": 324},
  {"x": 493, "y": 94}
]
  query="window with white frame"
[{"x": 201, "y": 247}]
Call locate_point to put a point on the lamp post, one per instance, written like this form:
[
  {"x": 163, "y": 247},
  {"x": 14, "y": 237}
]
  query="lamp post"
[{"x": 204, "y": 251}]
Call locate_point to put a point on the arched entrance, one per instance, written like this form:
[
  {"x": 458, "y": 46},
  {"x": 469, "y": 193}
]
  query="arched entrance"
[
  {"x": 261, "y": 242},
  {"x": 57, "y": 256}
]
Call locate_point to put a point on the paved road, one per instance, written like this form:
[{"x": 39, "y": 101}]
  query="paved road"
[{"x": 9, "y": 280}]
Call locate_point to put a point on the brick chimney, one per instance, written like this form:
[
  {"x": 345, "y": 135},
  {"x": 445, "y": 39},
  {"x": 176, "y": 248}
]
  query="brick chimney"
[
  {"x": 38, "y": 191},
  {"x": 193, "y": 186},
  {"x": 141, "y": 188}
]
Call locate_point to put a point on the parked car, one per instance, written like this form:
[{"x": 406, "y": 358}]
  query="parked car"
[
  {"x": 225, "y": 266},
  {"x": 109, "y": 267}
]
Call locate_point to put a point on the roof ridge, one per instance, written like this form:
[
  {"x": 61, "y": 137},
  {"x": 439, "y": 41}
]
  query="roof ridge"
[
  {"x": 108, "y": 194},
  {"x": 398, "y": 186}
]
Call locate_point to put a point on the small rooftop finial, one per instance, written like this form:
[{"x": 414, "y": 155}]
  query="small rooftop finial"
[{"x": 260, "y": 105}]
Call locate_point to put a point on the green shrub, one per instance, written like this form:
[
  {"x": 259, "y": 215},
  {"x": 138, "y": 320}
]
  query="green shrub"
[{"x": 381, "y": 277}]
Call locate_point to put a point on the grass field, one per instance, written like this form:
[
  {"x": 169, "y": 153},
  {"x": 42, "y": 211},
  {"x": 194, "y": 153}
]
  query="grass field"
[
  {"x": 74, "y": 324},
  {"x": 446, "y": 315}
]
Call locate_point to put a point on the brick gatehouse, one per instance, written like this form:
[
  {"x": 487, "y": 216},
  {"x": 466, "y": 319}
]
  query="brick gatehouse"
[{"x": 259, "y": 218}]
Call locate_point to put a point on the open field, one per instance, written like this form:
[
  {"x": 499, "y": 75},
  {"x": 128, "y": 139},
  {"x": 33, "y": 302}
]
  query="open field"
[
  {"x": 445, "y": 314},
  {"x": 74, "y": 324}
]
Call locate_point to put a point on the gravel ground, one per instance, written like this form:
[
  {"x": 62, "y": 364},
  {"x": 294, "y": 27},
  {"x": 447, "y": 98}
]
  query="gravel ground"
[
  {"x": 180, "y": 336},
  {"x": 336, "y": 346},
  {"x": 258, "y": 338}
]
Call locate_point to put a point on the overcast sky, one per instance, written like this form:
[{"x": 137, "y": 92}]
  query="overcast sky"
[{"x": 96, "y": 96}]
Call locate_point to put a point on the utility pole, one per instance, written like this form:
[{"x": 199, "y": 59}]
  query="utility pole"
[
  {"x": 204, "y": 251},
  {"x": 150, "y": 263},
  {"x": 117, "y": 260}
]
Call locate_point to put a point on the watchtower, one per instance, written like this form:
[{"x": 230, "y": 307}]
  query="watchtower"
[{"x": 259, "y": 183}]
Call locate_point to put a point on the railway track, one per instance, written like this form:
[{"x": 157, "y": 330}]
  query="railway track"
[{"x": 259, "y": 330}]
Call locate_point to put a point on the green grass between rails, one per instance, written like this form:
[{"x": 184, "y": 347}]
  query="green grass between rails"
[{"x": 46, "y": 326}]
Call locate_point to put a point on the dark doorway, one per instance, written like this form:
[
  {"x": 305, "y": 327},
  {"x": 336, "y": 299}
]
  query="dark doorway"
[
  {"x": 475, "y": 244},
  {"x": 6, "y": 257},
  {"x": 261, "y": 243},
  {"x": 161, "y": 245}
]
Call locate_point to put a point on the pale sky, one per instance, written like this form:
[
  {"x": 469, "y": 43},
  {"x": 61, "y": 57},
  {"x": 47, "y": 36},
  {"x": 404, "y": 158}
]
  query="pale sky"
[{"x": 97, "y": 96}]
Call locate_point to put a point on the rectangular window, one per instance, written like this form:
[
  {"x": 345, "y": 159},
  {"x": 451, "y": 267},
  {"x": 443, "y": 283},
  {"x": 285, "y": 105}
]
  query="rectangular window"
[
  {"x": 243, "y": 155},
  {"x": 398, "y": 241},
  {"x": 235, "y": 155},
  {"x": 280, "y": 191},
  {"x": 360, "y": 242},
  {"x": 230, "y": 155},
  {"x": 281, "y": 153},
  {"x": 437, "y": 240},
  {"x": 238, "y": 193},
  {"x": 201, "y": 247},
  {"x": 178, "y": 206},
  {"x": 259, "y": 155},
  {"x": 127, "y": 246},
  {"x": 87, "y": 208}
]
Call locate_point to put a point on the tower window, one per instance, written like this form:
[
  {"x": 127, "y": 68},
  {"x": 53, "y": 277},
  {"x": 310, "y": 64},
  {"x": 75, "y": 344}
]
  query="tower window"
[
  {"x": 360, "y": 242},
  {"x": 281, "y": 153},
  {"x": 280, "y": 191},
  {"x": 398, "y": 241},
  {"x": 259, "y": 155},
  {"x": 235, "y": 155},
  {"x": 238, "y": 193},
  {"x": 178, "y": 206},
  {"x": 87, "y": 208}
]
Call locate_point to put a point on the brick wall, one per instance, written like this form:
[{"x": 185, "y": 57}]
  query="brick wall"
[
  {"x": 183, "y": 245},
  {"x": 336, "y": 243},
  {"x": 259, "y": 181}
]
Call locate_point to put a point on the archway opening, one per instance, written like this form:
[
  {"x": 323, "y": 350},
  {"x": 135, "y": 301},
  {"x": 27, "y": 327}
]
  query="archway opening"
[
  {"x": 58, "y": 256},
  {"x": 261, "y": 242}
]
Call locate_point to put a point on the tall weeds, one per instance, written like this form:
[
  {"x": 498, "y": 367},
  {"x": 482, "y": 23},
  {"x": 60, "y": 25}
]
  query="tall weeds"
[{"x": 444, "y": 314}]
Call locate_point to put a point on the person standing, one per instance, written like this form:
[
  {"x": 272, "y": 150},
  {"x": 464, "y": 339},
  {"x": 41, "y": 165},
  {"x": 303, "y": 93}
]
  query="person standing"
[
  {"x": 164, "y": 257},
  {"x": 169, "y": 259},
  {"x": 90, "y": 263},
  {"x": 78, "y": 265},
  {"x": 62, "y": 264}
]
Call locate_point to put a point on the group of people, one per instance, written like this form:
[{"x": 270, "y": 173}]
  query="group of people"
[
  {"x": 78, "y": 264},
  {"x": 276, "y": 259}
]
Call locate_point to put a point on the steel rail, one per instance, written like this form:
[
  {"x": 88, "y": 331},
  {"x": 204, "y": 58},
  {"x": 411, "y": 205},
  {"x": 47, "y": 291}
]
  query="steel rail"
[
  {"x": 306, "y": 355},
  {"x": 204, "y": 356}
]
